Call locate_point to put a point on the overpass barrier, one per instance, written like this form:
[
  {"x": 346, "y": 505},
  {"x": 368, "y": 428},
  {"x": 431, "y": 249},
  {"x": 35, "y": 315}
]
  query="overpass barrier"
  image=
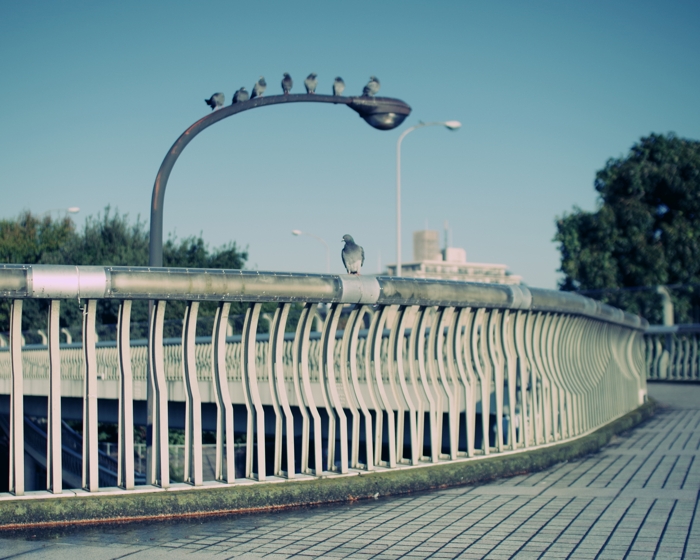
[
  {"x": 445, "y": 372},
  {"x": 672, "y": 352}
]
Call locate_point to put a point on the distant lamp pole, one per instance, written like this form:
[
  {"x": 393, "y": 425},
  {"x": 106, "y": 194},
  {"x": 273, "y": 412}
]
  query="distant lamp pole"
[
  {"x": 450, "y": 125},
  {"x": 298, "y": 232}
]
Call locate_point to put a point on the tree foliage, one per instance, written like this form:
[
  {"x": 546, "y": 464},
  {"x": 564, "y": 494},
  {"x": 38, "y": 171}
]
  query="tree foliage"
[
  {"x": 645, "y": 233},
  {"x": 109, "y": 239}
]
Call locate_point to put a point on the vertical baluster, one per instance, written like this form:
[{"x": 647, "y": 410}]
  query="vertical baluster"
[
  {"x": 91, "y": 467},
  {"x": 270, "y": 363},
  {"x": 466, "y": 372},
  {"x": 16, "y": 401},
  {"x": 297, "y": 376},
  {"x": 256, "y": 414},
  {"x": 390, "y": 366},
  {"x": 483, "y": 372},
  {"x": 332, "y": 390},
  {"x": 160, "y": 462},
  {"x": 397, "y": 350},
  {"x": 531, "y": 340},
  {"x": 385, "y": 404},
  {"x": 369, "y": 357},
  {"x": 279, "y": 390},
  {"x": 125, "y": 468},
  {"x": 351, "y": 400},
  {"x": 304, "y": 354},
  {"x": 523, "y": 368},
  {"x": 193, "y": 402},
  {"x": 224, "y": 407},
  {"x": 54, "y": 465},
  {"x": 414, "y": 369},
  {"x": 354, "y": 342},
  {"x": 433, "y": 408},
  {"x": 323, "y": 383},
  {"x": 495, "y": 354},
  {"x": 441, "y": 347},
  {"x": 508, "y": 342},
  {"x": 437, "y": 390}
]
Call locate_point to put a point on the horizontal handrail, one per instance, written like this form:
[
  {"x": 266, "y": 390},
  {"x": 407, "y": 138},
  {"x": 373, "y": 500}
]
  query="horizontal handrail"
[{"x": 76, "y": 282}]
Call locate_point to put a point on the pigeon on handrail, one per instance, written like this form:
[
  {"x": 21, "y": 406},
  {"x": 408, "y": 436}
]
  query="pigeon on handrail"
[
  {"x": 240, "y": 96},
  {"x": 372, "y": 87},
  {"x": 353, "y": 255},
  {"x": 338, "y": 86},
  {"x": 216, "y": 101},
  {"x": 287, "y": 83},
  {"x": 259, "y": 88},
  {"x": 310, "y": 83}
]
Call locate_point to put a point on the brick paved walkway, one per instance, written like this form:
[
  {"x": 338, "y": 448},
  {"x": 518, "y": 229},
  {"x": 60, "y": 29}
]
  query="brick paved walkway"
[{"x": 638, "y": 498}]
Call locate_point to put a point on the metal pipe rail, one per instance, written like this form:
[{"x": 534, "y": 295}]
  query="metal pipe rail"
[
  {"x": 672, "y": 352},
  {"x": 467, "y": 370}
]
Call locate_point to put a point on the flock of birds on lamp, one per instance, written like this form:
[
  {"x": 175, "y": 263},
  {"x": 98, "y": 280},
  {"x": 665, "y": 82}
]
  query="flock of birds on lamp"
[{"x": 217, "y": 100}]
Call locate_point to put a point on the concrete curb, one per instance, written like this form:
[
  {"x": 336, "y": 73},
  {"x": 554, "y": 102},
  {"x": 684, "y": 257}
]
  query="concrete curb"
[{"x": 71, "y": 509}]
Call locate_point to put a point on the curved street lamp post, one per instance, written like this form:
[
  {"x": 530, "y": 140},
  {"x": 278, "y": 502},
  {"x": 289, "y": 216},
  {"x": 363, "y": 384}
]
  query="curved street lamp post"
[
  {"x": 383, "y": 113},
  {"x": 298, "y": 232},
  {"x": 450, "y": 125}
]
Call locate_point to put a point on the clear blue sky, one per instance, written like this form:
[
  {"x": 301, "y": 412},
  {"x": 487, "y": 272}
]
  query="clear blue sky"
[{"x": 93, "y": 94}]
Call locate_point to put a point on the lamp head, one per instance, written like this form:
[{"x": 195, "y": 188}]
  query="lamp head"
[
  {"x": 453, "y": 125},
  {"x": 296, "y": 232},
  {"x": 382, "y": 113},
  {"x": 73, "y": 210}
]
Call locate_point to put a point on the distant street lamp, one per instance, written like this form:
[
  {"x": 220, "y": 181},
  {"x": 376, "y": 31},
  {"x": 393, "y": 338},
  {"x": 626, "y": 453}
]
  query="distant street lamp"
[
  {"x": 69, "y": 210},
  {"x": 450, "y": 125},
  {"x": 383, "y": 113},
  {"x": 328, "y": 251}
]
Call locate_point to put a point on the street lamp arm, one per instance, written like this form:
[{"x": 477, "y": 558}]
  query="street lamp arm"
[{"x": 384, "y": 113}]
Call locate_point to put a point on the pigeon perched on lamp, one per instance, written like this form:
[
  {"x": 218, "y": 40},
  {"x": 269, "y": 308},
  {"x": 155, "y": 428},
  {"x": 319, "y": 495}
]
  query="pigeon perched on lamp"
[
  {"x": 353, "y": 255},
  {"x": 338, "y": 86},
  {"x": 216, "y": 101},
  {"x": 241, "y": 95},
  {"x": 310, "y": 83},
  {"x": 372, "y": 87},
  {"x": 259, "y": 88},
  {"x": 287, "y": 84}
]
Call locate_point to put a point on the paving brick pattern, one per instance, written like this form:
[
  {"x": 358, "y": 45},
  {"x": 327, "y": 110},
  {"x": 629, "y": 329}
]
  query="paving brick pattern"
[{"x": 638, "y": 498}]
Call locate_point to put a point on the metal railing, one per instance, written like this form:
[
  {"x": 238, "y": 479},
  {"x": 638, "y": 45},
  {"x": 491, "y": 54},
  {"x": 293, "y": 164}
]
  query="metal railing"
[
  {"x": 672, "y": 352},
  {"x": 447, "y": 371}
]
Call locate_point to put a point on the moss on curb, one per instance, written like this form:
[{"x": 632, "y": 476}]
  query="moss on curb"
[{"x": 20, "y": 513}]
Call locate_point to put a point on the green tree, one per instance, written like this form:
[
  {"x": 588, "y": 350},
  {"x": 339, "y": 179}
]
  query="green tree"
[{"x": 646, "y": 231}]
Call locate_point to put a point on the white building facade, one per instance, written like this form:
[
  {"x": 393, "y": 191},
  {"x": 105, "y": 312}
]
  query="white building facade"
[{"x": 449, "y": 264}]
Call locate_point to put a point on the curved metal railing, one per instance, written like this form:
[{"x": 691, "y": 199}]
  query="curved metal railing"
[
  {"x": 672, "y": 352},
  {"x": 446, "y": 371}
]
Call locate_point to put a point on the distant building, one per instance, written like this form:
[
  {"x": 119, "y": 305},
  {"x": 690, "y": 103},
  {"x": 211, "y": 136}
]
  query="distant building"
[{"x": 449, "y": 264}]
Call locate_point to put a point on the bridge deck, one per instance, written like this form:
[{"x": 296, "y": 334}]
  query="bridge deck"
[{"x": 638, "y": 498}]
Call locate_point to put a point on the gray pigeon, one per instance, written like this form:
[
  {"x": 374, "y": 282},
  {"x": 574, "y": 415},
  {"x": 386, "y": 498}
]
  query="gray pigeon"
[
  {"x": 372, "y": 87},
  {"x": 216, "y": 101},
  {"x": 310, "y": 83},
  {"x": 259, "y": 88},
  {"x": 287, "y": 84},
  {"x": 338, "y": 86},
  {"x": 353, "y": 255},
  {"x": 240, "y": 96}
]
